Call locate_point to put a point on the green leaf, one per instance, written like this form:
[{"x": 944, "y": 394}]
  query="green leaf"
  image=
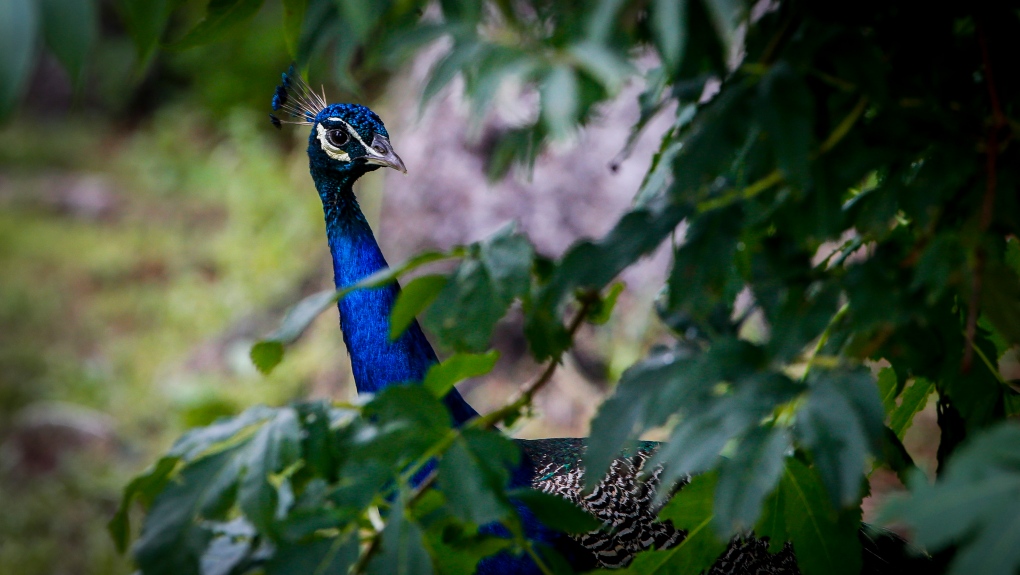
[
  {"x": 888, "y": 388},
  {"x": 473, "y": 474},
  {"x": 973, "y": 505},
  {"x": 69, "y": 27},
  {"x": 417, "y": 295},
  {"x": 826, "y": 541},
  {"x": 318, "y": 556},
  {"x": 591, "y": 265},
  {"x": 507, "y": 256},
  {"x": 480, "y": 291},
  {"x": 556, "y": 512},
  {"x": 444, "y": 71},
  {"x": 913, "y": 400},
  {"x": 402, "y": 550},
  {"x": 145, "y": 486},
  {"x": 293, "y": 19},
  {"x": 275, "y": 446},
  {"x": 146, "y": 20},
  {"x": 603, "y": 309},
  {"x": 601, "y": 19},
  {"x": 842, "y": 423},
  {"x": 560, "y": 101},
  {"x": 786, "y": 111},
  {"x": 220, "y": 17},
  {"x": 607, "y": 67},
  {"x": 1000, "y": 300},
  {"x": 202, "y": 440},
  {"x": 726, "y": 17},
  {"x": 18, "y": 23},
  {"x": 772, "y": 523},
  {"x": 748, "y": 477},
  {"x": 172, "y": 539},
  {"x": 691, "y": 510},
  {"x": 300, "y": 316},
  {"x": 266, "y": 355},
  {"x": 668, "y": 21},
  {"x": 441, "y": 377},
  {"x": 709, "y": 424},
  {"x": 362, "y": 17},
  {"x": 644, "y": 398},
  {"x": 229, "y": 548}
]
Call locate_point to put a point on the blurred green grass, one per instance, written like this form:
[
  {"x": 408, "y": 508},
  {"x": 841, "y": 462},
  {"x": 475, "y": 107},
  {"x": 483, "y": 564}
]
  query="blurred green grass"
[{"x": 136, "y": 269}]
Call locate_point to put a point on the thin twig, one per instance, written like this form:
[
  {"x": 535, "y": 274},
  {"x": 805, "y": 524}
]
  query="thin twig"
[{"x": 525, "y": 395}]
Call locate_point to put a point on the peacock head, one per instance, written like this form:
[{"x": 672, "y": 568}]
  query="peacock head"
[{"x": 346, "y": 139}]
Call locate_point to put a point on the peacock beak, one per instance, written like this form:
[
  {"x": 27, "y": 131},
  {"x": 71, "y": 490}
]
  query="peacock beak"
[{"x": 382, "y": 154}]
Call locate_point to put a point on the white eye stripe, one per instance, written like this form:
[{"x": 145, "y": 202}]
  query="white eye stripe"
[{"x": 354, "y": 134}]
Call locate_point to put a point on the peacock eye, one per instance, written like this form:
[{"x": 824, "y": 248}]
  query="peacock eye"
[{"x": 337, "y": 138}]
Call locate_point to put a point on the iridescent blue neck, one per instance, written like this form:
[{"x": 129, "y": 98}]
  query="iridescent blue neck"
[{"x": 377, "y": 362}]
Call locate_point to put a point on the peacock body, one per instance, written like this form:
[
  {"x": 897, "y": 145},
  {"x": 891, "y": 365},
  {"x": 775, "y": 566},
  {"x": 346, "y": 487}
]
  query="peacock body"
[{"x": 348, "y": 141}]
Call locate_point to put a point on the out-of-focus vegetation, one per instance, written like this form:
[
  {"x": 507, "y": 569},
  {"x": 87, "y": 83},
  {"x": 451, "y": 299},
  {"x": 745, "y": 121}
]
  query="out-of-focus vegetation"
[{"x": 130, "y": 291}]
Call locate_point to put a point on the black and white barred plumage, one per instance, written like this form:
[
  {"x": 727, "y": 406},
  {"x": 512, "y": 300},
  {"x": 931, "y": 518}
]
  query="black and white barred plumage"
[{"x": 626, "y": 505}]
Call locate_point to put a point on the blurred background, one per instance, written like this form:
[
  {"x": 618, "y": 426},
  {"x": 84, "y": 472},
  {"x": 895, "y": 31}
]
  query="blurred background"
[{"x": 153, "y": 225}]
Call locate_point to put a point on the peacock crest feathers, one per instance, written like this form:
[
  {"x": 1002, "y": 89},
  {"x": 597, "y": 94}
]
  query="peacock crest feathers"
[{"x": 295, "y": 97}]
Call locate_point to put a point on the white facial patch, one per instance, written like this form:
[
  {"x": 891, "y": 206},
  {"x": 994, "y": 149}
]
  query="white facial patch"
[
  {"x": 332, "y": 152},
  {"x": 337, "y": 153}
]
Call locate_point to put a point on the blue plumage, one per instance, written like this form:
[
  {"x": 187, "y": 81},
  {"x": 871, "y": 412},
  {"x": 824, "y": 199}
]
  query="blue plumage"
[{"x": 364, "y": 315}]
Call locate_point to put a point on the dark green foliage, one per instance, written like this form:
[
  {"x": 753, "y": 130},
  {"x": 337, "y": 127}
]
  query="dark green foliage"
[
  {"x": 854, "y": 176},
  {"x": 494, "y": 273},
  {"x": 221, "y": 15},
  {"x": 977, "y": 499}
]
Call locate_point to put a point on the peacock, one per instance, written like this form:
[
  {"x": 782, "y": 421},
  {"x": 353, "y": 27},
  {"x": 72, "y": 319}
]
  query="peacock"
[{"x": 346, "y": 142}]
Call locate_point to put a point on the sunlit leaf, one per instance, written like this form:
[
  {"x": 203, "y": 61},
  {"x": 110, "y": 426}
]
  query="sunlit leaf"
[
  {"x": 692, "y": 510},
  {"x": 914, "y": 398},
  {"x": 441, "y": 377},
  {"x": 413, "y": 299}
]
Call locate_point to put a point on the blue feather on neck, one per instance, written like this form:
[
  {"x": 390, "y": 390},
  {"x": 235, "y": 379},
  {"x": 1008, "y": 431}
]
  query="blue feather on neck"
[{"x": 377, "y": 362}]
